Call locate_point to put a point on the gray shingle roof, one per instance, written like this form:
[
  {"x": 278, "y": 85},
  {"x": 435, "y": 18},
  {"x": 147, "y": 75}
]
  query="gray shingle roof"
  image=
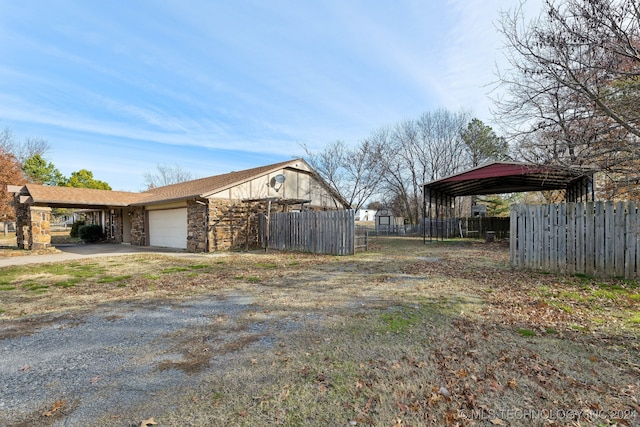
[
  {"x": 83, "y": 197},
  {"x": 205, "y": 186}
]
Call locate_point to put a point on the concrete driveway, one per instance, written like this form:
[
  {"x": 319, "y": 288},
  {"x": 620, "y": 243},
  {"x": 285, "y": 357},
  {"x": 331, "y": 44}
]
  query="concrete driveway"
[{"x": 80, "y": 251}]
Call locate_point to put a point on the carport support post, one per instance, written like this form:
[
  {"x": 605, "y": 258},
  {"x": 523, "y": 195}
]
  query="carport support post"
[
  {"x": 40, "y": 225},
  {"x": 266, "y": 233}
]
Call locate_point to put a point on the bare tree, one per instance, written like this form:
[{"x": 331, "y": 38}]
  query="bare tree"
[
  {"x": 166, "y": 175},
  {"x": 573, "y": 86},
  {"x": 352, "y": 171},
  {"x": 419, "y": 151},
  {"x": 7, "y": 140},
  {"x": 30, "y": 147}
]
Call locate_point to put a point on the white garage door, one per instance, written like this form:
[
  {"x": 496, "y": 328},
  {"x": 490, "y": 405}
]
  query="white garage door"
[{"x": 168, "y": 228}]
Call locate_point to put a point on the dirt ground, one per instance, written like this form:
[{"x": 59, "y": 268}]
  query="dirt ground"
[{"x": 405, "y": 334}]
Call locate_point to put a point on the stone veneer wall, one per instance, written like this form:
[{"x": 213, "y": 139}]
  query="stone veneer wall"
[
  {"x": 33, "y": 227},
  {"x": 40, "y": 227},
  {"x": 231, "y": 224},
  {"x": 138, "y": 230},
  {"x": 196, "y": 226},
  {"x": 23, "y": 236},
  {"x": 116, "y": 236}
]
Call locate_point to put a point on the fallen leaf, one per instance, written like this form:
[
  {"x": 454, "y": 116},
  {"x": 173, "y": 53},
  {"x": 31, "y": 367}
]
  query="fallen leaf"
[
  {"x": 56, "y": 406},
  {"x": 497, "y": 422},
  {"x": 450, "y": 417},
  {"x": 462, "y": 373},
  {"x": 496, "y": 386},
  {"x": 147, "y": 423}
]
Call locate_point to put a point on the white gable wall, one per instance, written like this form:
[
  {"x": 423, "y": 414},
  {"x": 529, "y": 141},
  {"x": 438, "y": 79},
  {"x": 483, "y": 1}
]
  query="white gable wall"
[{"x": 299, "y": 184}]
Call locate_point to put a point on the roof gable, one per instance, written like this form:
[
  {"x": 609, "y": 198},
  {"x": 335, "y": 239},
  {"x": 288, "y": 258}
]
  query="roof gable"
[{"x": 204, "y": 187}]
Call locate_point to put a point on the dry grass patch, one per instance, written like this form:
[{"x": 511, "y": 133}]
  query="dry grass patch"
[{"x": 406, "y": 334}]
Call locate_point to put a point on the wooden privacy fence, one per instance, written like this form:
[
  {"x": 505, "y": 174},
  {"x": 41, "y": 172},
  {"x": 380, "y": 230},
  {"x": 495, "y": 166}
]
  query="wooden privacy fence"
[
  {"x": 596, "y": 238},
  {"x": 325, "y": 232}
]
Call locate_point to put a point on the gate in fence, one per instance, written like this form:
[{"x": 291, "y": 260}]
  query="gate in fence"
[
  {"x": 595, "y": 238},
  {"x": 324, "y": 232}
]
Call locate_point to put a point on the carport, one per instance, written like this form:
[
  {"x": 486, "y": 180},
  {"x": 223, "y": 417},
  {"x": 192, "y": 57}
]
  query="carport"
[
  {"x": 35, "y": 202},
  {"x": 498, "y": 178}
]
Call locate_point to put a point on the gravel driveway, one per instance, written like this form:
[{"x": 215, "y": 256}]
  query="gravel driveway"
[{"x": 117, "y": 359}]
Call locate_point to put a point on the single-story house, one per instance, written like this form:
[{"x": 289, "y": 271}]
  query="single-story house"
[{"x": 204, "y": 215}]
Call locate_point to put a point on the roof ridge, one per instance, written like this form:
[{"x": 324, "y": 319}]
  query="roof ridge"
[{"x": 227, "y": 174}]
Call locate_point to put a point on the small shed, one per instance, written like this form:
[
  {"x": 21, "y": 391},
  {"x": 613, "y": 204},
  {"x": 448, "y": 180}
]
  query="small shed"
[{"x": 387, "y": 222}]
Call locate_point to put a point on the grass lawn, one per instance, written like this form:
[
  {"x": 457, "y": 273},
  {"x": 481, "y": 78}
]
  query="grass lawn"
[{"x": 406, "y": 334}]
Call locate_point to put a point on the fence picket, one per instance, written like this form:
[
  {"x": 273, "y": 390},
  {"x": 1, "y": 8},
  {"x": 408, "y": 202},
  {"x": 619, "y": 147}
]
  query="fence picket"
[
  {"x": 571, "y": 238},
  {"x": 594, "y": 238},
  {"x": 561, "y": 255},
  {"x": 619, "y": 240},
  {"x": 631, "y": 228},
  {"x": 609, "y": 227},
  {"x": 600, "y": 239},
  {"x": 521, "y": 235},
  {"x": 327, "y": 232},
  {"x": 580, "y": 240},
  {"x": 513, "y": 241},
  {"x": 590, "y": 238}
]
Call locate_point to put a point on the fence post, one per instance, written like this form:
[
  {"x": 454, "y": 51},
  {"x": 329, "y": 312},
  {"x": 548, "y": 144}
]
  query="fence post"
[
  {"x": 591, "y": 239},
  {"x": 631, "y": 232},
  {"x": 580, "y": 239},
  {"x": 537, "y": 237},
  {"x": 619, "y": 240}
]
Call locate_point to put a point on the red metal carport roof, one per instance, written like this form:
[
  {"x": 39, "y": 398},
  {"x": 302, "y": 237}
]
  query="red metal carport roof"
[{"x": 503, "y": 177}]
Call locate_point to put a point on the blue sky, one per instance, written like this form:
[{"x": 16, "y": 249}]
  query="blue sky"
[{"x": 118, "y": 87}]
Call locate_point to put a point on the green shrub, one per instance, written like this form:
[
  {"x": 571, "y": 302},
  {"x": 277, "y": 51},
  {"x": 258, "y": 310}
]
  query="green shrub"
[
  {"x": 90, "y": 233},
  {"x": 74, "y": 228}
]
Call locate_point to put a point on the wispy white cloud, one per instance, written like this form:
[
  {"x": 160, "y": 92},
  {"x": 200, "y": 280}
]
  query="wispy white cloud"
[{"x": 255, "y": 77}]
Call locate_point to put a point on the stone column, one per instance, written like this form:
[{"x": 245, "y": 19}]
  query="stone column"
[
  {"x": 23, "y": 235},
  {"x": 197, "y": 226},
  {"x": 138, "y": 231},
  {"x": 40, "y": 225}
]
